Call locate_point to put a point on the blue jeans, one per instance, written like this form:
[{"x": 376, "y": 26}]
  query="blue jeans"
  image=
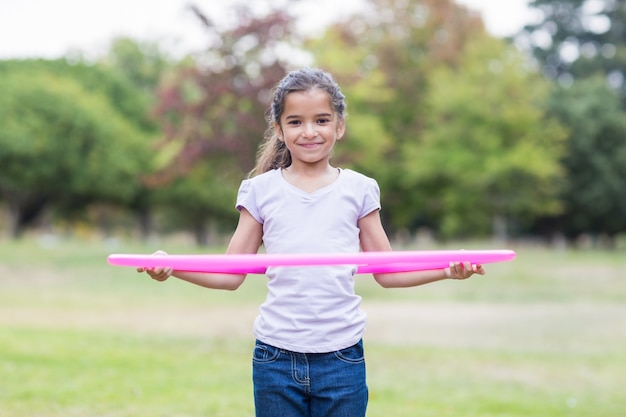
[{"x": 291, "y": 384}]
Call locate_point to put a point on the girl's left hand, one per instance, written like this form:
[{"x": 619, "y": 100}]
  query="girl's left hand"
[
  {"x": 159, "y": 273},
  {"x": 463, "y": 270}
]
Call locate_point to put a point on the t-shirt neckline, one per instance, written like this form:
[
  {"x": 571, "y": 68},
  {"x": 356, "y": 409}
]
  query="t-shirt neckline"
[{"x": 322, "y": 190}]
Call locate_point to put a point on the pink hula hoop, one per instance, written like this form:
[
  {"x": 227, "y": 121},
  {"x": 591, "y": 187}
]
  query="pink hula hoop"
[{"x": 366, "y": 262}]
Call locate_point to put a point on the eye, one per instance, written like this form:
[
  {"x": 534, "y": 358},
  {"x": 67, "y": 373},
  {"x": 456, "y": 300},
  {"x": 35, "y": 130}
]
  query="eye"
[
  {"x": 323, "y": 120},
  {"x": 294, "y": 122}
]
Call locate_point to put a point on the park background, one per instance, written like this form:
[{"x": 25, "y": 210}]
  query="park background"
[{"x": 477, "y": 141}]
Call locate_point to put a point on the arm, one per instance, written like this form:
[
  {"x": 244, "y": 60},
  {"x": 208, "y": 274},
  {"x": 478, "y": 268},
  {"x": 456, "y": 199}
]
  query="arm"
[
  {"x": 246, "y": 239},
  {"x": 374, "y": 238}
]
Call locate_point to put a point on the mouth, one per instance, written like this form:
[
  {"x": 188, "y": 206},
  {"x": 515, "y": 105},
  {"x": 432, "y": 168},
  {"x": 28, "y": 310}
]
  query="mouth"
[{"x": 310, "y": 145}]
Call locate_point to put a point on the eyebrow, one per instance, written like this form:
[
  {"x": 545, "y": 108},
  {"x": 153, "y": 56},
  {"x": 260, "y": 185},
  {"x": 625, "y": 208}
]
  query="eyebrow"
[{"x": 296, "y": 116}]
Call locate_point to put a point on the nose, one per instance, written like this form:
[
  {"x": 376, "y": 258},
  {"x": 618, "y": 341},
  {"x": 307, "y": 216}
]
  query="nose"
[{"x": 309, "y": 130}]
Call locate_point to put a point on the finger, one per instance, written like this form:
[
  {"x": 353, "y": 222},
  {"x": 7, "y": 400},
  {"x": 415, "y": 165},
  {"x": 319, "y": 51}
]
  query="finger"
[
  {"x": 455, "y": 270},
  {"x": 480, "y": 270},
  {"x": 154, "y": 273}
]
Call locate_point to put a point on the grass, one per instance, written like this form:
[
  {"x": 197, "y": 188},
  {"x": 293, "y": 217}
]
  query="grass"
[
  {"x": 544, "y": 335},
  {"x": 51, "y": 372}
]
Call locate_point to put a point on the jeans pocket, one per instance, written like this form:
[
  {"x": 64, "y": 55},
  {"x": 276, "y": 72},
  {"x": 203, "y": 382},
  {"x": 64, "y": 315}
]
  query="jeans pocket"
[
  {"x": 352, "y": 354},
  {"x": 264, "y": 353}
]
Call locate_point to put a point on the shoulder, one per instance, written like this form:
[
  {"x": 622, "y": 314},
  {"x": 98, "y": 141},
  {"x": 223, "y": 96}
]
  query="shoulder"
[
  {"x": 358, "y": 178},
  {"x": 262, "y": 179},
  {"x": 256, "y": 190}
]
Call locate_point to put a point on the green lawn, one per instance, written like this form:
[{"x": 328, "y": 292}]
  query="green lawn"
[{"x": 544, "y": 335}]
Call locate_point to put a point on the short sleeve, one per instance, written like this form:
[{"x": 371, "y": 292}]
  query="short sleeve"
[
  {"x": 246, "y": 199},
  {"x": 371, "y": 198}
]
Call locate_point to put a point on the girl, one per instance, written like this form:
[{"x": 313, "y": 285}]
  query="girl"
[{"x": 308, "y": 359}]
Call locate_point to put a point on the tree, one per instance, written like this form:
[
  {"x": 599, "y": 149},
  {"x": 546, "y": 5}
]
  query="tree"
[
  {"x": 582, "y": 44},
  {"x": 594, "y": 193},
  {"x": 407, "y": 39},
  {"x": 212, "y": 113},
  {"x": 574, "y": 39},
  {"x": 144, "y": 65},
  {"x": 366, "y": 88},
  {"x": 489, "y": 154},
  {"x": 415, "y": 72},
  {"x": 61, "y": 144},
  {"x": 201, "y": 209}
]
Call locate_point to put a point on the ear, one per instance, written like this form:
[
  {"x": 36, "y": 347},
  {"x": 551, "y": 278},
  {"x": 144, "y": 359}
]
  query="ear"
[
  {"x": 278, "y": 131},
  {"x": 341, "y": 129}
]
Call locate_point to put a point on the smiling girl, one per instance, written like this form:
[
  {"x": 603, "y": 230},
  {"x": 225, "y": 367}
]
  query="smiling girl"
[{"x": 308, "y": 358}]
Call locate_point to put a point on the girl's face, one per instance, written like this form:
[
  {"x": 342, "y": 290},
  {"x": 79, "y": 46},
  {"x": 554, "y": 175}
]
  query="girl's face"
[{"x": 309, "y": 127}]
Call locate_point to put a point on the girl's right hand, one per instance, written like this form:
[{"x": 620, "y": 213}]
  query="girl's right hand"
[{"x": 158, "y": 273}]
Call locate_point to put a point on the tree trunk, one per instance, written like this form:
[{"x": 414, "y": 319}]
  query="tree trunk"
[
  {"x": 144, "y": 215},
  {"x": 201, "y": 232},
  {"x": 24, "y": 213},
  {"x": 499, "y": 228}
]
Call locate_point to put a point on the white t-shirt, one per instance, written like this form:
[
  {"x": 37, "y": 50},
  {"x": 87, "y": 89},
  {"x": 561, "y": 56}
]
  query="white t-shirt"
[{"x": 310, "y": 309}]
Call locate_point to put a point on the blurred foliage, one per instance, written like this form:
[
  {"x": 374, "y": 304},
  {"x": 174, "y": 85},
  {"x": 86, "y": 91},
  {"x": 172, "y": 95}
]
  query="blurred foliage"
[
  {"x": 408, "y": 40},
  {"x": 212, "y": 115},
  {"x": 488, "y": 155},
  {"x": 448, "y": 123},
  {"x": 142, "y": 63},
  {"x": 575, "y": 39},
  {"x": 214, "y": 106},
  {"x": 581, "y": 45},
  {"x": 366, "y": 87},
  {"x": 594, "y": 194},
  {"x": 202, "y": 201},
  {"x": 383, "y": 58},
  {"x": 67, "y": 141},
  {"x": 461, "y": 130}
]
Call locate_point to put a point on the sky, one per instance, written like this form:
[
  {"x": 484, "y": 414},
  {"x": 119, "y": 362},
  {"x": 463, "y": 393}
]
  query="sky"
[{"x": 50, "y": 29}]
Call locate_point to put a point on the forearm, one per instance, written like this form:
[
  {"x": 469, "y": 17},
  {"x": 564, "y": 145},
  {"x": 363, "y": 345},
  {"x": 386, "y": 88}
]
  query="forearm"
[
  {"x": 456, "y": 270},
  {"x": 409, "y": 279},
  {"x": 212, "y": 280}
]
